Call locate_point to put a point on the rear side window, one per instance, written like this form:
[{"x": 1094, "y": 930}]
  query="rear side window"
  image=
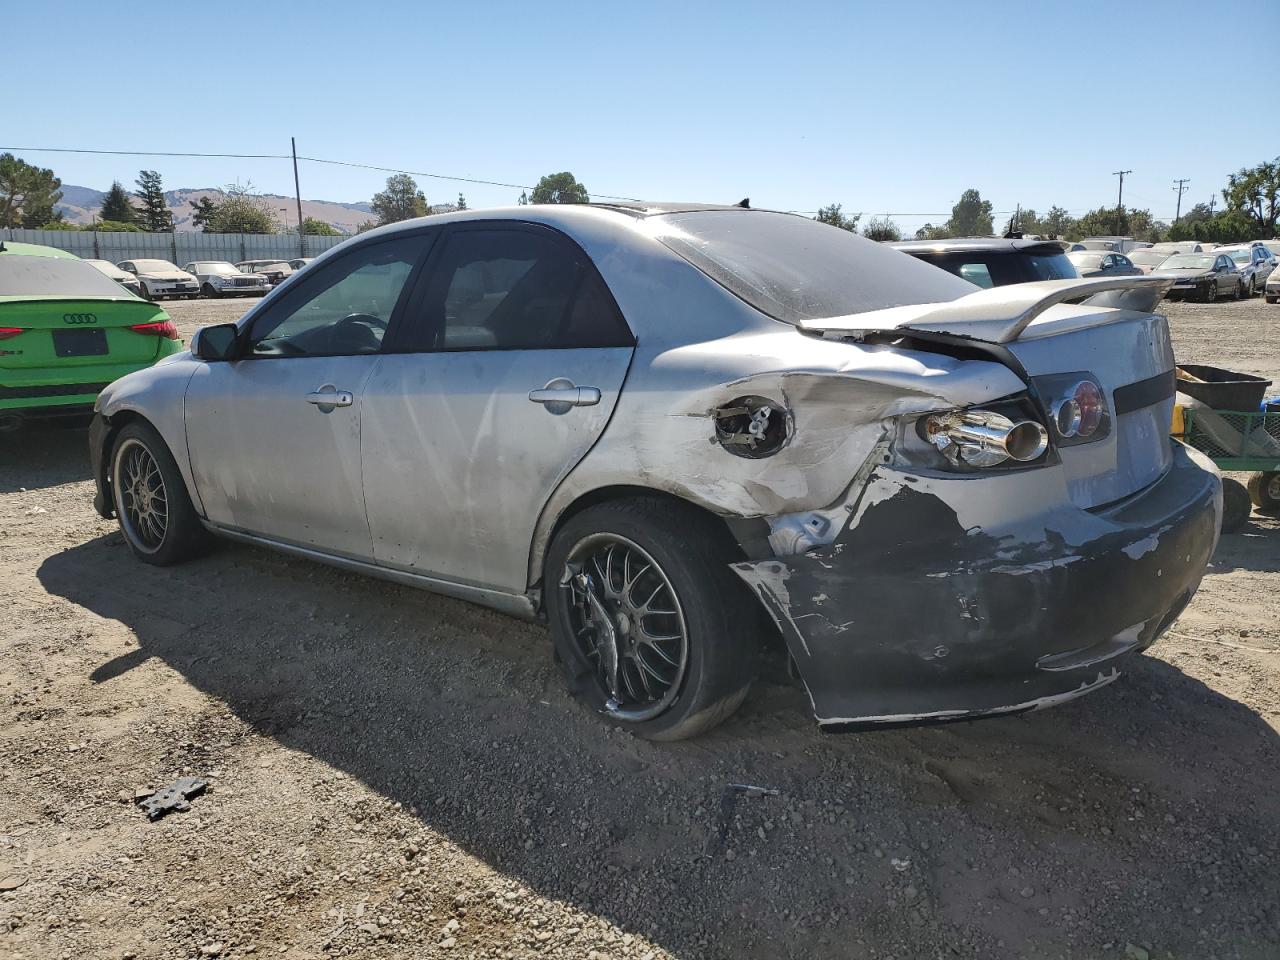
[
  {"x": 23, "y": 276},
  {"x": 792, "y": 268},
  {"x": 506, "y": 289}
]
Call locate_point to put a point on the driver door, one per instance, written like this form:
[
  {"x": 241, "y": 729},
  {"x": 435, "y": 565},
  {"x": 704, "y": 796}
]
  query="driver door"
[{"x": 274, "y": 436}]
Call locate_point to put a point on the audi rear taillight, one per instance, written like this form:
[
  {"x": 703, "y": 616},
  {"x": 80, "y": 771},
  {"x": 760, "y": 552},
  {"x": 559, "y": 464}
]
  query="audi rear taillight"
[
  {"x": 8, "y": 333},
  {"x": 162, "y": 328}
]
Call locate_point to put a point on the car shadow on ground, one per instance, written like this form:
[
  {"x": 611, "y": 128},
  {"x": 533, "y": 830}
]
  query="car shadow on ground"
[
  {"x": 884, "y": 839},
  {"x": 44, "y": 454},
  {"x": 1255, "y": 546}
]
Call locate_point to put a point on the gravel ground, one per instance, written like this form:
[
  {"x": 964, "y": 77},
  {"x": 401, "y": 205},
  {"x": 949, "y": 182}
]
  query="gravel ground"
[{"x": 400, "y": 775}]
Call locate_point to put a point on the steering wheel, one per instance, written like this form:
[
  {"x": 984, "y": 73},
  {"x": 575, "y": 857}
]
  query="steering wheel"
[{"x": 361, "y": 326}]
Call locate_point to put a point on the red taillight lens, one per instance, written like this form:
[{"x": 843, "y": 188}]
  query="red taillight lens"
[
  {"x": 7, "y": 333},
  {"x": 1089, "y": 400},
  {"x": 163, "y": 328}
]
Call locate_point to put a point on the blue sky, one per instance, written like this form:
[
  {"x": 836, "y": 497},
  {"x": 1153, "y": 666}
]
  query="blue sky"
[{"x": 883, "y": 107}]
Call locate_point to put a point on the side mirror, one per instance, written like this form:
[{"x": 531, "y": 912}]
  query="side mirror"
[{"x": 213, "y": 344}]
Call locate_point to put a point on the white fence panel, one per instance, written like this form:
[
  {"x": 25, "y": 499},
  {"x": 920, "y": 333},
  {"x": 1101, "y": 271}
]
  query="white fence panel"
[{"x": 180, "y": 248}]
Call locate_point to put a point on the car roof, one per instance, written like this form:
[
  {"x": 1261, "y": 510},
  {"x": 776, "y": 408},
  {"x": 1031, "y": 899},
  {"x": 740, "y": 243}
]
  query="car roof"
[
  {"x": 979, "y": 244},
  {"x": 15, "y": 248}
]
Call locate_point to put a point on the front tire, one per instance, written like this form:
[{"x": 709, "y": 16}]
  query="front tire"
[
  {"x": 1211, "y": 295},
  {"x": 209, "y": 291},
  {"x": 145, "y": 293},
  {"x": 651, "y": 626},
  {"x": 1244, "y": 292},
  {"x": 156, "y": 516}
]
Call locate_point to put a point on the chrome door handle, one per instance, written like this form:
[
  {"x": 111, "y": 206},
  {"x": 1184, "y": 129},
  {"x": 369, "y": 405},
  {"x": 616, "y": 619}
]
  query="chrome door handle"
[
  {"x": 331, "y": 398},
  {"x": 561, "y": 394}
]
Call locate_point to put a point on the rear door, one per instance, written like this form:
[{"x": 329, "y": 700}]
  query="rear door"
[
  {"x": 274, "y": 437},
  {"x": 510, "y": 363}
]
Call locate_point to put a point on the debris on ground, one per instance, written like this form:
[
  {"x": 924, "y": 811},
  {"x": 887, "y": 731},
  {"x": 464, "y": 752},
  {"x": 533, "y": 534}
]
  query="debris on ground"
[{"x": 172, "y": 797}]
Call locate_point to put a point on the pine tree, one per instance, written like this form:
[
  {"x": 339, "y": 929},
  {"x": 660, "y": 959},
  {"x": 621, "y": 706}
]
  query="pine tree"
[
  {"x": 462, "y": 202},
  {"x": 154, "y": 215},
  {"x": 116, "y": 206}
]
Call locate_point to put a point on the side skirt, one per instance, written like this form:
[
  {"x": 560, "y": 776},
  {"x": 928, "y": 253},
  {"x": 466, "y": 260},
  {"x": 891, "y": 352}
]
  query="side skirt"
[{"x": 516, "y": 605}]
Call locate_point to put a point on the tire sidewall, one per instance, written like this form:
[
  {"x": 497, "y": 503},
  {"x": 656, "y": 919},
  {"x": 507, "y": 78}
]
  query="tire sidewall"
[
  {"x": 695, "y": 590},
  {"x": 183, "y": 534}
]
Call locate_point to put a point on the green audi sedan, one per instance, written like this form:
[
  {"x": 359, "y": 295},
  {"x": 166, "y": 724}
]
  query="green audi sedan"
[{"x": 66, "y": 331}]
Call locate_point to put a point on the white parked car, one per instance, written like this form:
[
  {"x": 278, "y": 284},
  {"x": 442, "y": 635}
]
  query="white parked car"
[
  {"x": 126, "y": 280},
  {"x": 158, "y": 279},
  {"x": 218, "y": 278},
  {"x": 277, "y": 271}
]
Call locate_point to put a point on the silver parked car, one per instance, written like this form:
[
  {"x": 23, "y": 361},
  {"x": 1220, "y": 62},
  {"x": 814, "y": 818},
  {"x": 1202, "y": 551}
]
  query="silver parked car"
[
  {"x": 1255, "y": 263},
  {"x": 218, "y": 278},
  {"x": 673, "y": 430},
  {"x": 1098, "y": 263}
]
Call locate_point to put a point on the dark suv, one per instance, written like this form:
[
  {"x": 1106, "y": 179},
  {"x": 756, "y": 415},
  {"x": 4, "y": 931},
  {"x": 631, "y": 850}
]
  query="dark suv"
[{"x": 994, "y": 261}]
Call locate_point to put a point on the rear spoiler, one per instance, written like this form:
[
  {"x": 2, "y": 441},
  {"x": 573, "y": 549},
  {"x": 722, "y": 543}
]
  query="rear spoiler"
[{"x": 1000, "y": 314}]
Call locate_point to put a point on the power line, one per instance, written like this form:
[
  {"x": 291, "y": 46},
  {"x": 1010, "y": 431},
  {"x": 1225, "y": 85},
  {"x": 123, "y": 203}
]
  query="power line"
[{"x": 154, "y": 153}]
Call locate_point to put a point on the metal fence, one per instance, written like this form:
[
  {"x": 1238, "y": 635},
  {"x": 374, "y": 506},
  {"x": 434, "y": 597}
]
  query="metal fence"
[{"x": 178, "y": 247}]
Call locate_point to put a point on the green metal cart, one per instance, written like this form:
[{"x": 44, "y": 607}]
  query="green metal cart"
[{"x": 1242, "y": 443}]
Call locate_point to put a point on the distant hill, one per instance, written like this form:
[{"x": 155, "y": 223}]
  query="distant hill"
[{"x": 80, "y": 204}]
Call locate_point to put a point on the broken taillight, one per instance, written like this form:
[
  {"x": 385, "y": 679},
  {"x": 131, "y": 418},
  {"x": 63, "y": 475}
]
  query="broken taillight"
[
  {"x": 161, "y": 328},
  {"x": 8, "y": 333}
]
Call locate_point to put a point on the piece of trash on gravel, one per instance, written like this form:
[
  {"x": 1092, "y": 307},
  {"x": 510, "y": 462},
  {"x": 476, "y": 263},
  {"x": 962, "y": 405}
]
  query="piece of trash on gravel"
[
  {"x": 11, "y": 883},
  {"x": 172, "y": 797}
]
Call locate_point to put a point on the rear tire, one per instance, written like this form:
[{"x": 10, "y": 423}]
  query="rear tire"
[
  {"x": 1264, "y": 491},
  {"x": 156, "y": 516},
  {"x": 1236, "y": 505},
  {"x": 702, "y": 676}
]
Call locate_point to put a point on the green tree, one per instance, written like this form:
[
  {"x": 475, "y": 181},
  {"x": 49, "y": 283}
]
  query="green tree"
[
  {"x": 559, "y": 188},
  {"x": 154, "y": 215},
  {"x": 462, "y": 202},
  {"x": 971, "y": 216},
  {"x": 116, "y": 206},
  {"x": 115, "y": 226},
  {"x": 1056, "y": 223},
  {"x": 882, "y": 228},
  {"x": 239, "y": 211},
  {"x": 523, "y": 199},
  {"x": 402, "y": 200},
  {"x": 832, "y": 216},
  {"x": 202, "y": 211},
  {"x": 1254, "y": 192},
  {"x": 318, "y": 228},
  {"x": 27, "y": 194},
  {"x": 930, "y": 232}
]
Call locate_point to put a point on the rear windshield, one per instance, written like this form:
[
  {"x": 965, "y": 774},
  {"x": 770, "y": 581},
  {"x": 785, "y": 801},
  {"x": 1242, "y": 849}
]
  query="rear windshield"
[
  {"x": 998, "y": 268},
  {"x": 54, "y": 277},
  {"x": 794, "y": 269}
]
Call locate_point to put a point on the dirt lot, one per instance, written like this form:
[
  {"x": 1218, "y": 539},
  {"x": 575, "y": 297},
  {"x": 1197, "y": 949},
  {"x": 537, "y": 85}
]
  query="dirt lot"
[{"x": 399, "y": 775}]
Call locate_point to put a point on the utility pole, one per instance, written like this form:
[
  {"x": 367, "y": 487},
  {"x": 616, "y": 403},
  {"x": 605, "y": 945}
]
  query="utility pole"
[
  {"x": 1181, "y": 186},
  {"x": 1120, "y": 198},
  {"x": 297, "y": 191}
]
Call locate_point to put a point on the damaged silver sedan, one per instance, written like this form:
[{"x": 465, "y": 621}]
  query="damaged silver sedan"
[{"x": 672, "y": 430}]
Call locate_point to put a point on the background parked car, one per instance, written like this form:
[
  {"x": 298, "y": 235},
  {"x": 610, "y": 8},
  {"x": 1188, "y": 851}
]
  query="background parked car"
[
  {"x": 994, "y": 261},
  {"x": 218, "y": 278},
  {"x": 160, "y": 278},
  {"x": 1205, "y": 276},
  {"x": 1149, "y": 259},
  {"x": 1273, "y": 287},
  {"x": 274, "y": 270},
  {"x": 1113, "y": 244},
  {"x": 1094, "y": 263},
  {"x": 1170, "y": 247},
  {"x": 297, "y": 263},
  {"x": 66, "y": 332},
  {"x": 126, "y": 280},
  {"x": 1255, "y": 263}
]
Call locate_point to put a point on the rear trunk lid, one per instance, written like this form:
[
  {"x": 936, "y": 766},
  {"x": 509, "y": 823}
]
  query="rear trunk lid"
[
  {"x": 64, "y": 334},
  {"x": 1112, "y": 337}
]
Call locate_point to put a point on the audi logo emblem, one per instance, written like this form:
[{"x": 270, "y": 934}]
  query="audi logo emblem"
[{"x": 79, "y": 318}]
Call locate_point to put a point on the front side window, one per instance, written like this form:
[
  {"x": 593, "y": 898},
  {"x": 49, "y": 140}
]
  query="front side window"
[
  {"x": 345, "y": 309},
  {"x": 507, "y": 289}
]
